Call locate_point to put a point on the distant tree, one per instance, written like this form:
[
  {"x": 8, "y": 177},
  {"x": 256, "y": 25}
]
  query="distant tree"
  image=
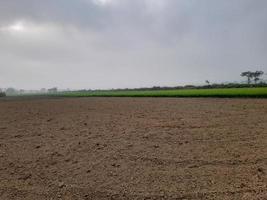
[
  {"x": 11, "y": 91},
  {"x": 2, "y": 93},
  {"x": 21, "y": 91},
  {"x": 43, "y": 90},
  {"x": 248, "y": 74},
  {"x": 207, "y": 81},
  {"x": 52, "y": 90},
  {"x": 257, "y": 75}
]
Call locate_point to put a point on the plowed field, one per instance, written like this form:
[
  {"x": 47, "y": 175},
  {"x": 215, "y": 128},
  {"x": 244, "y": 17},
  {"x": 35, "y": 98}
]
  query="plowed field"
[{"x": 133, "y": 148}]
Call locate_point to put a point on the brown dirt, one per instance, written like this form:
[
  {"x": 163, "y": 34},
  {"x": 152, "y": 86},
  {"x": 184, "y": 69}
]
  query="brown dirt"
[{"x": 127, "y": 148}]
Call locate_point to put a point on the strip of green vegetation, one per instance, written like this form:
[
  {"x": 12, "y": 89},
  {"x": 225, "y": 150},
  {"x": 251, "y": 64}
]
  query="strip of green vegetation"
[{"x": 232, "y": 92}]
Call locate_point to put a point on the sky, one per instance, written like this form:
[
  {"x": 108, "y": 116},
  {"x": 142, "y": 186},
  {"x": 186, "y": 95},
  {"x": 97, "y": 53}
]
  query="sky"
[{"x": 103, "y": 44}]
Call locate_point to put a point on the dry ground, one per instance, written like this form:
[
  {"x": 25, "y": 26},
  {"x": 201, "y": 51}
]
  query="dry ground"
[{"x": 127, "y": 148}]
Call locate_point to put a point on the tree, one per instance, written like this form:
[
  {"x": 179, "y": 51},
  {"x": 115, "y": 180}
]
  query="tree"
[
  {"x": 252, "y": 75},
  {"x": 257, "y": 75},
  {"x": 11, "y": 91},
  {"x": 207, "y": 81},
  {"x": 2, "y": 93},
  {"x": 52, "y": 90},
  {"x": 43, "y": 90},
  {"x": 247, "y": 74}
]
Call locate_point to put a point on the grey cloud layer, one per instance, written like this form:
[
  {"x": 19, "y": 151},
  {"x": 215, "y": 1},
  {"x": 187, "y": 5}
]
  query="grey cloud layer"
[{"x": 126, "y": 43}]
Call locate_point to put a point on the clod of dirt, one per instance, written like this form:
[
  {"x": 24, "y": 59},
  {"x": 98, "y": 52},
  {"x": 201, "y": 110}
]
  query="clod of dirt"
[
  {"x": 25, "y": 177},
  {"x": 146, "y": 136},
  {"x": 115, "y": 165},
  {"x": 61, "y": 185},
  {"x": 242, "y": 185},
  {"x": 83, "y": 131},
  {"x": 260, "y": 170}
]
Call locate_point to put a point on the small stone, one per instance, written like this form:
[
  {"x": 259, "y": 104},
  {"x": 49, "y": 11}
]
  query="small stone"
[
  {"x": 115, "y": 165},
  {"x": 146, "y": 136},
  {"x": 242, "y": 185},
  {"x": 26, "y": 177},
  {"x": 261, "y": 170},
  {"x": 61, "y": 185}
]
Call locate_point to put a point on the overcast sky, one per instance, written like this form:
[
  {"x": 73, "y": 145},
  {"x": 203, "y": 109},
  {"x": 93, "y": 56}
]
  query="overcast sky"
[{"x": 129, "y": 43}]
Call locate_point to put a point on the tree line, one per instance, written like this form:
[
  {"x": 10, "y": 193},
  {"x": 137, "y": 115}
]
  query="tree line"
[{"x": 252, "y": 79}]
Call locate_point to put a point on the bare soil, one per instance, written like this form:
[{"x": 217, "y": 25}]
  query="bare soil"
[{"x": 133, "y": 148}]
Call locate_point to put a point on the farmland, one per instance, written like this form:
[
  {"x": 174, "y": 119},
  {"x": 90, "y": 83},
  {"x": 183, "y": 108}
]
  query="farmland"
[
  {"x": 133, "y": 148},
  {"x": 229, "y": 92}
]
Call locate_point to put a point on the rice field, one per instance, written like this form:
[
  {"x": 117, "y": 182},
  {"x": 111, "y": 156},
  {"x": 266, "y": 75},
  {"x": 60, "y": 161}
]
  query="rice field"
[{"x": 225, "y": 92}]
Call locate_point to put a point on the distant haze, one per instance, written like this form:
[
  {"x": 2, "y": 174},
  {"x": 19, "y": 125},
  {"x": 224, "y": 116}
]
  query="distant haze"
[{"x": 129, "y": 43}]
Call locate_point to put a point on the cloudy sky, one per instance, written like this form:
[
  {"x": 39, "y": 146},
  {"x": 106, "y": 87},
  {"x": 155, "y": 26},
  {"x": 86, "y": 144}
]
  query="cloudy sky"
[{"x": 129, "y": 43}]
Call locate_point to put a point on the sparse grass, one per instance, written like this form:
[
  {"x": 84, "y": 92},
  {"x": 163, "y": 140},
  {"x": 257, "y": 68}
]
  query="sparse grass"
[{"x": 230, "y": 93}]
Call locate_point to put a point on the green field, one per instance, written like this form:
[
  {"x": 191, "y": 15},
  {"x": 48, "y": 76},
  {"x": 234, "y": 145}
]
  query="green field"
[{"x": 232, "y": 92}]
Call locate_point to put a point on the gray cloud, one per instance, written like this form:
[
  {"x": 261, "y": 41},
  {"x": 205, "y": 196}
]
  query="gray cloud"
[{"x": 126, "y": 43}]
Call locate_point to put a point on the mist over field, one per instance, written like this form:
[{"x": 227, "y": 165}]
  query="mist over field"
[{"x": 125, "y": 43}]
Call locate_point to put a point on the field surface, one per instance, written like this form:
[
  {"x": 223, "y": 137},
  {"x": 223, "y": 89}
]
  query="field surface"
[{"x": 133, "y": 148}]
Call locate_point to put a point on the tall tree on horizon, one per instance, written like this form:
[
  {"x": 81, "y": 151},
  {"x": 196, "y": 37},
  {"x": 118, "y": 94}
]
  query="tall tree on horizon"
[
  {"x": 257, "y": 75},
  {"x": 252, "y": 75},
  {"x": 247, "y": 74}
]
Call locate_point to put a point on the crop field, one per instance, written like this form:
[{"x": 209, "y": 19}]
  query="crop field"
[
  {"x": 231, "y": 93},
  {"x": 133, "y": 148}
]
